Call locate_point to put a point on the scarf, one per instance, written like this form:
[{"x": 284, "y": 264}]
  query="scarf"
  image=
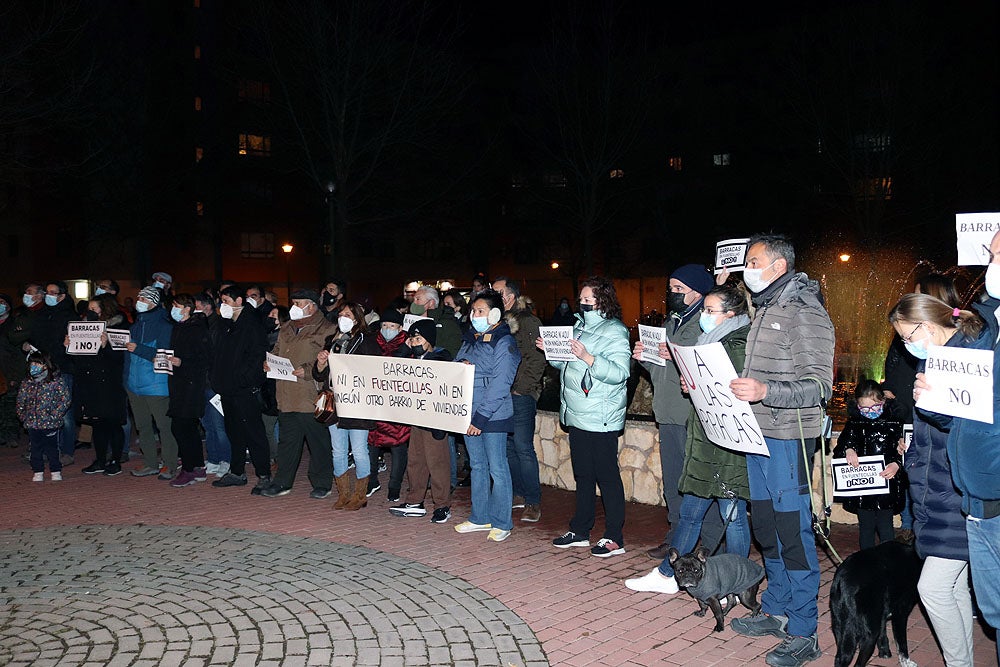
[{"x": 729, "y": 325}]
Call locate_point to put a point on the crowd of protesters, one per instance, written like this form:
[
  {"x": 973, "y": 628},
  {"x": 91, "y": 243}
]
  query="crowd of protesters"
[{"x": 192, "y": 385}]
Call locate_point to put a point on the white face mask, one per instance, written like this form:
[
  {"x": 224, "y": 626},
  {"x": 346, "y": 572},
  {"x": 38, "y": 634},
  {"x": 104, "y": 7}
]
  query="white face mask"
[
  {"x": 993, "y": 280},
  {"x": 226, "y": 311},
  {"x": 296, "y": 313},
  {"x": 752, "y": 277},
  {"x": 252, "y": 302},
  {"x": 346, "y": 324}
]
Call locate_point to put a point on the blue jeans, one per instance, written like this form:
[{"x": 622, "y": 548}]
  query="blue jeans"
[
  {"x": 782, "y": 524},
  {"x": 488, "y": 458},
  {"x": 521, "y": 451},
  {"x": 693, "y": 510},
  {"x": 217, "y": 445},
  {"x": 357, "y": 440},
  {"x": 68, "y": 443},
  {"x": 984, "y": 561}
]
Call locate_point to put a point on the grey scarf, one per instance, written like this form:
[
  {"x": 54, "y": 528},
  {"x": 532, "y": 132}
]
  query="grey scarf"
[{"x": 728, "y": 325}]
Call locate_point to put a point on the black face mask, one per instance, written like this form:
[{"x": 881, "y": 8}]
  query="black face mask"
[
  {"x": 675, "y": 301},
  {"x": 586, "y": 307}
]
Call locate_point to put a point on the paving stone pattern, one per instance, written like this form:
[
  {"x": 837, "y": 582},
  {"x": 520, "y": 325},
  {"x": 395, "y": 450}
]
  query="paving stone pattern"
[{"x": 155, "y": 595}]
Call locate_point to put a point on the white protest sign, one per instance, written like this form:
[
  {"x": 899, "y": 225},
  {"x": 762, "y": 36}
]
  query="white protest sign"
[
  {"x": 161, "y": 364},
  {"x": 730, "y": 254},
  {"x": 432, "y": 394},
  {"x": 216, "y": 402},
  {"x": 960, "y": 381},
  {"x": 974, "y": 231},
  {"x": 861, "y": 481},
  {"x": 651, "y": 337},
  {"x": 118, "y": 338},
  {"x": 556, "y": 341},
  {"x": 84, "y": 337},
  {"x": 728, "y": 421},
  {"x": 409, "y": 319},
  {"x": 280, "y": 368}
]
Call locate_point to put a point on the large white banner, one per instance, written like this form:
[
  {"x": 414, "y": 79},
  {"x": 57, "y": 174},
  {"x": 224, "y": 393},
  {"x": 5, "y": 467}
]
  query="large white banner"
[
  {"x": 973, "y": 232},
  {"x": 960, "y": 381},
  {"x": 728, "y": 421},
  {"x": 432, "y": 394}
]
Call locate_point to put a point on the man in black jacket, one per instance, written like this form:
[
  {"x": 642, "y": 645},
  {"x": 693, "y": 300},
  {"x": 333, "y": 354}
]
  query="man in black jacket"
[
  {"x": 237, "y": 375},
  {"x": 48, "y": 333}
]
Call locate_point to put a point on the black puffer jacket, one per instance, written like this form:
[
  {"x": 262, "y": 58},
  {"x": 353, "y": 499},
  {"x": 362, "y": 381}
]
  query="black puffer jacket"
[
  {"x": 875, "y": 437},
  {"x": 98, "y": 389},
  {"x": 191, "y": 343}
]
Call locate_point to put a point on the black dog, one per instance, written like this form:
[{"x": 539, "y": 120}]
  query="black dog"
[
  {"x": 708, "y": 578},
  {"x": 869, "y": 588}
]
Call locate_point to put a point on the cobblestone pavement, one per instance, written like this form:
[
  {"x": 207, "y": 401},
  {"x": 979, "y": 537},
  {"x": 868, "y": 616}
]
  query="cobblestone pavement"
[{"x": 152, "y": 595}]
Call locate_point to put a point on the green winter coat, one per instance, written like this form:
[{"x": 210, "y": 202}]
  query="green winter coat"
[{"x": 702, "y": 458}]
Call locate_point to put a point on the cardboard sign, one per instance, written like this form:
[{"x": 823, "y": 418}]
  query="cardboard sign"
[
  {"x": 432, "y": 394},
  {"x": 280, "y": 368},
  {"x": 84, "y": 337},
  {"x": 216, "y": 402},
  {"x": 730, "y": 254},
  {"x": 960, "y": 381},
  {"x": 118, "y": 338},
  {"x": 161, "y": 364},
  {"x": 728, "y": 421},
  {"x": 861, "y": 481},
  {"x": 409, "y": 319},
  {"x": 556, "y": 341},
  {"x": 651, "y": 337},
  {"x": 973, "y": 232}
]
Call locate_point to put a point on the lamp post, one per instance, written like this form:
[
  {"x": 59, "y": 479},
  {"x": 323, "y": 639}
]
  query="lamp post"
[
  {"x": 287, "y": 249},
  {"x": 331, "y": 232}
]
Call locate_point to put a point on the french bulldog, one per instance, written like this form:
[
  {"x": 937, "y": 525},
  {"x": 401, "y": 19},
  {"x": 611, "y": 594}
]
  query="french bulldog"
[{"x": 710, "y": 578}]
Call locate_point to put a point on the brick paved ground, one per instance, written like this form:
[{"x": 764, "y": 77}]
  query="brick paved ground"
[{"x": 134, "y": 538}]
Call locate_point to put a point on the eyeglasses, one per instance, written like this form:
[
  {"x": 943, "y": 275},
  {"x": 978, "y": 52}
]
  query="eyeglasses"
[
  {"x": 909, "y": 338},
  {"x": 871, "y": 409},
  {"x": 712, "y": 312}
]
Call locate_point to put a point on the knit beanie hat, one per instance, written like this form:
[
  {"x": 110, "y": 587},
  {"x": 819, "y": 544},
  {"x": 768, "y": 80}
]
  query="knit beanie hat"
[
  {"x": 151, "y": 294},
  {"x": 392, "y": 315},
  {"x": 696, "y": 277},
  {"x": 427, "y": 329}
]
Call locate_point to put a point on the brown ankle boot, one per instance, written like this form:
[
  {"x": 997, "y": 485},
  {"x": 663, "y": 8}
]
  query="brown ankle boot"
[
  {"x": 360, "y": 497},
  {"x": 343, "y": 491}
]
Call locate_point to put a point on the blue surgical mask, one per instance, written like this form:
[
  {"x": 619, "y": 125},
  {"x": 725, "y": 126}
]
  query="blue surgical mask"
[
  {"x": 177, "y": 314},
  {"x": 480, "y": 324},
  {"x": 707, "y": 322},
  {"x": 874, "y": 412},
  {"x": 389, "y": 334},
  {"x": 51, "y": 299},
  {"x": 141, "y": 306},
  {"x": 36, "y": 370},
  {"x": 159, "y": 284},
  {"x": 3, "y": 309},
  {"x": 917, "y": 348},
  {"x": 28, "y": 300}
]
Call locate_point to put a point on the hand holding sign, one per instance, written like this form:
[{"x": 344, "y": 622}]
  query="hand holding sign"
[
  {"x": 648, "y": 347},
  {"x": 279, "y": 368},
  {"x": 958, "y": 382},
  {"x": 84, "y": 337},
  {"x": 557, "y": 343}
]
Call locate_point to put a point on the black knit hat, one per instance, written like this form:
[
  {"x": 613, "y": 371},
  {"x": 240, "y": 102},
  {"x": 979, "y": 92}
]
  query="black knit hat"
[
  {"x": 392, "y": 315},
  {"x": 427, "y": 329}
]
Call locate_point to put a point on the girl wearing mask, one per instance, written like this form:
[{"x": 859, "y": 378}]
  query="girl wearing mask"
[
  {"x": 389, "y": 435},
  {"x": 710, "y": 473},
  {"x": 593, "y": 397},
  {"x": 42, "y": 402},
  {"x": 349, "y": 435}
]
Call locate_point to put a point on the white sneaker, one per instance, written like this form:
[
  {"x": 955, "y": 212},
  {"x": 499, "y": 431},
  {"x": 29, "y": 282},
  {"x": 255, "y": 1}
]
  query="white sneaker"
[
  {"x": 38, "y": 477},
  {"x": 469, "y": 527},
  {"x": 654, "y": 582},
  {"x": 56, "y": 476},
  {"x": 211, "y": 468},
  {"x": 498, "y": 534},
  {"x": 223, "y": 468}
]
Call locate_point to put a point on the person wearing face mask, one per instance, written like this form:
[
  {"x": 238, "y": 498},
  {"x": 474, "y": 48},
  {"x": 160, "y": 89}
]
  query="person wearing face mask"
[
  {"x": 333, "y": 298},
  {"x": 788, "y": 375},
  {"x": 687, "y": 288},
  {"x": 563, "y": 316},
  {"x": 164, "y": 282},
  {"x": 459, "y": 306},
  {"x": 217, "y": 445},
  {"x": 592, "y": 406},
  {"x": 349, "y": 435},
  {"x": 710, "y": 472},
  {"x": 237, "y": 375},
  {"x": 427, "y": 302},
  {"x": 42, "y": 400},
  {"x": 13, "y": 370},
  {"x": 874, "y": 428},
  {"x": 299, "y": 340},
  {"x": 148, "y": 392},
  {"x": 389, "y": 435}
]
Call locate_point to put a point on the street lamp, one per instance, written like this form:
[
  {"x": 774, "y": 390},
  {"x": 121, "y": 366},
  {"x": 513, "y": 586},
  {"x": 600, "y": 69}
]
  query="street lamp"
[
  {"x": 287, "y": 249},
  {"x": 845, "y": 257}
]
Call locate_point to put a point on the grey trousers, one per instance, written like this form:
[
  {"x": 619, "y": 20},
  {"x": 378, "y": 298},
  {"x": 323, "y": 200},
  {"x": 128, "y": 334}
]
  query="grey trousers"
[{"x": 146, "y": 410}]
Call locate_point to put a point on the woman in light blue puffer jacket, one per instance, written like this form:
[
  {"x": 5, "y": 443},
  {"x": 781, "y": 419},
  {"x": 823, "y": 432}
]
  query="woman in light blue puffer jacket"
[{"x": 593, "y": 397}]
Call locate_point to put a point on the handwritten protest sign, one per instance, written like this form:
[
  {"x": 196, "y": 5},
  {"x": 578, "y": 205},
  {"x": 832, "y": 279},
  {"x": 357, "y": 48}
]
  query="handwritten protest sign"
[
  {"x": 432, "y": 394},
  {"x": 280, "y": 368},
  {"x": 728, "y": 421},
  {"x": 409, "y": 319},
  {"x": 861, "y": 481},
  {"x": 118, "y": 338},
  {"x": 960, "y": 381},
  {"x": 161, "y": 364},
  {"x": 556, "y": 341},
  {"x": 84, "y": 337},
  {"x": 973, "y": 232},
  {"x": 730, "y": 254},
  {"x": 651, "y": 337}
]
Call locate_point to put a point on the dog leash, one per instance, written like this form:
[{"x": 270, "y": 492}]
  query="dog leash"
[
  {"x": 817, "y": 526},
  {"x": 731, "y": 495}
]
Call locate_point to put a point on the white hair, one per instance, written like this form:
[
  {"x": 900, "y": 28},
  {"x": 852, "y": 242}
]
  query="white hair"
[{"x": 430, "y": 293}]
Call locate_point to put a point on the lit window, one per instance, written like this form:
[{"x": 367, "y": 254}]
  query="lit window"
[
  {"x": 249, "y": 90},
  {"x": 819, "y": 146},
  {"x": 197, "y": 53},
  {"x": 870, "y": 189},
  {"x": 257, "y": 245},
  {"x": 197, "y": 104},
  {"x": 676, "y": 163},
  {"x": 199, "y": 208},
  {"x": 255, "y": 144},
  {"x": 873, "y": 142},
  {"x": 616, "y": 173},
  {"x": 199, "y": 153},
  {"x": 720, "y": 159}
]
